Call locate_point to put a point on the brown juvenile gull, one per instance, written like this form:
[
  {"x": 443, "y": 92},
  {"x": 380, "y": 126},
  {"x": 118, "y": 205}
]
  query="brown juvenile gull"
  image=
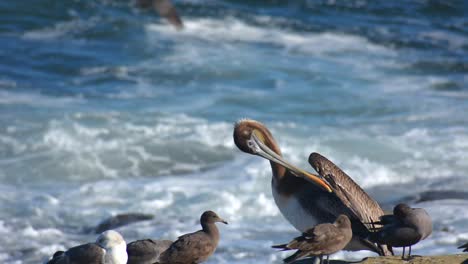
[
  {"x": 110, "y": 248},
  {"x": 406, "y": 227},
  {"x": 166, "y": 9},
  {"x": 195, "y": 247},
  {"x": 146, "y": 251},
  {"x": 323, "y": 239},
  {"x": 306, "y": 199}
]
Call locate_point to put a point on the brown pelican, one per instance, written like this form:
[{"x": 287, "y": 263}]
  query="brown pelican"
[
  {"x": 323, "y": 239},
  {"x": 166, "y": 9},
  {"x": 406, "y": 227},
  {"x": 110, "y": 248},
  {"x": 306, "y": 199},
  {"x": 195, "y": 247}
]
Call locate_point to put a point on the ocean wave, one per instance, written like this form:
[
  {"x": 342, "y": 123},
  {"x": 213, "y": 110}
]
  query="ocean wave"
[
  {"x": 235, "y": 30},
  {"x": 91, "y": 146},
  {"x": 36, "y": 99},
  {"x": 64, "y": 29}
]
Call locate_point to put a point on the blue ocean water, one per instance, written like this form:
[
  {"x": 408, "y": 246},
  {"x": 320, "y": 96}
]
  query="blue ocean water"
[{"x": 107, "y": 109}]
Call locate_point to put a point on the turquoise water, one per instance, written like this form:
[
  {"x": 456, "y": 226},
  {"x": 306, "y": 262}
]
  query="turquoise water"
[{"x": 107, "y": 109}]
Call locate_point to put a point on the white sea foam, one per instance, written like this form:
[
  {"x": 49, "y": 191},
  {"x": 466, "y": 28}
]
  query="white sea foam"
[
  {"x": 3, "y": 228},
  {"x": 157, "y": 204},
  {"x": 31, "y": 232},
  {"x": 454, "y": 41},
  {"x": 11, "y": 143},
  {"x": 36, "y": 99},
  {"x": 89, "y": 146},
  {"x": 208, "y": 43},
  {"x": 4, "y": 257},
  {"x": 62, "y": 29},
  {"x": 368, "y": 173},
  {"x": 49, "y": 250},
  {"x": 235, "y": 30}
]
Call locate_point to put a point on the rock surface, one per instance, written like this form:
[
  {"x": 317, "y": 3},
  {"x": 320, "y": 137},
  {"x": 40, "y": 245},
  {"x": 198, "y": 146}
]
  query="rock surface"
[{"x": 447, "y": 259}]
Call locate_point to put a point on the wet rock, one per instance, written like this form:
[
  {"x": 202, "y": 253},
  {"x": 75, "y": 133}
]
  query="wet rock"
[{"x": 446, "y": 259}]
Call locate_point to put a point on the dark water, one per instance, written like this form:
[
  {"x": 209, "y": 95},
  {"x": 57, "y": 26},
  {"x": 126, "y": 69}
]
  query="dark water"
[{"x": 106, "y": 109}]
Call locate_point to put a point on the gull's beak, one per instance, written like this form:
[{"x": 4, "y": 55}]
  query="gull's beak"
[
  {"x": 223, "y": 221},
  {"x": 259, "y": 148}
]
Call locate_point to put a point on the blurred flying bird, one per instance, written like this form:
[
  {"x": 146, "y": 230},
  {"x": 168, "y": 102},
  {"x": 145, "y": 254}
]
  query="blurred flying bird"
[{"x": 166, "y": 9}]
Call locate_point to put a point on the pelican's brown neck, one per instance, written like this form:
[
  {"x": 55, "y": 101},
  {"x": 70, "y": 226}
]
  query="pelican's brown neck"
[{"x": 277, "y": 170}]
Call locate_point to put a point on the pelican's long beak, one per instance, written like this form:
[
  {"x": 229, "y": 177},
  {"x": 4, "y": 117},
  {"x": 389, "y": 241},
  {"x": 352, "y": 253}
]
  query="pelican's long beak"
[{"x": 259, "y": 148}]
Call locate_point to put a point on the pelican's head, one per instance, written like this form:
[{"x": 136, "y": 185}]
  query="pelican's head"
[
  {"x": 254, "y": 138},
  {"x": 246, "y": 131}
]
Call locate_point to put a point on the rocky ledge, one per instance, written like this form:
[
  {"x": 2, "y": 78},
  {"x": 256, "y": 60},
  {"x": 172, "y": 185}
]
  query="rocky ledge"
[{"x": 447, "y": 259}]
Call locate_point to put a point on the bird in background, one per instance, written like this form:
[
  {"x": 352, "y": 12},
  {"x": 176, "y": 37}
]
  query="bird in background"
[{"x": 166, "y": 9}]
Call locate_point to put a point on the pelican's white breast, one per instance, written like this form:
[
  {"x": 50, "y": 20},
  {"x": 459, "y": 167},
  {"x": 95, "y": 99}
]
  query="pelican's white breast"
[{"x": 294, "y": 212}]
